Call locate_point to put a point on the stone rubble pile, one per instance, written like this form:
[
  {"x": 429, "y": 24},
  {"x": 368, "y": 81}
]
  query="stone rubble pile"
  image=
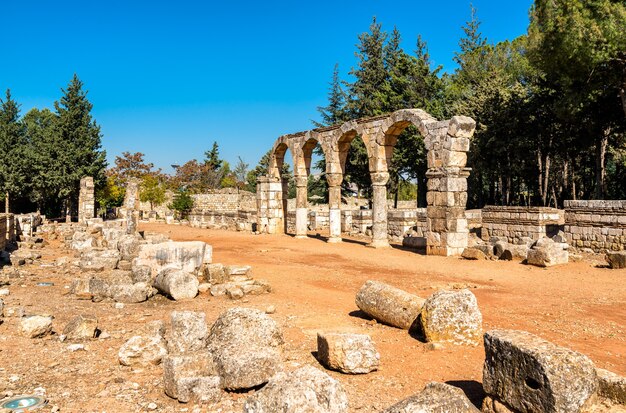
[{"x": 233, "y": 281}]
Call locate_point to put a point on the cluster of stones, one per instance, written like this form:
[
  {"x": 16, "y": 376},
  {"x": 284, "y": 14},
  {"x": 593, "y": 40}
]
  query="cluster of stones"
[
  {"x": 447, "y": 143},
  {"x": 233, "y": 281},
  {"x": 544, "y": 252}
]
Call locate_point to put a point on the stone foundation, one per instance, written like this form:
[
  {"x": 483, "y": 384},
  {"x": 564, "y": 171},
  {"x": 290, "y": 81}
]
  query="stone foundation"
[{"x": 599, "y": 225}]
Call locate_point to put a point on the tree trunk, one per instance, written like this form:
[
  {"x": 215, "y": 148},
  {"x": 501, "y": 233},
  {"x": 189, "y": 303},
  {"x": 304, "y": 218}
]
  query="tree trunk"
[
  {"x": 546, "y": 180},
  {"x": 6, "y": 203},
  {"x": 600, "y": 164},
  {"x": 540, "y": 177}
]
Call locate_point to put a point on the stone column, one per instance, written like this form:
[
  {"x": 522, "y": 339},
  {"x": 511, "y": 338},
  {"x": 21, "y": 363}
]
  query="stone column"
[
  {"x": 131, "y": 204},
  {"x": 302, "y": 211},
  {"x": 86, "y": 200},
  {"x": 334, "y": 204},
  {"x": 379, "y": 210},
  {"x": 269, "y": 198}
]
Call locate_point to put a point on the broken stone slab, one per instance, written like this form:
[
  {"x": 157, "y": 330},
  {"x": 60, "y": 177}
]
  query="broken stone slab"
[
  {"x": 199, "y": 389},
  {"x": 215, "y": 274},
  {"x": 347, "y": 353},
  {"x": 81, "y": 327},
  {"x": 388, "y": 304},
  {"x": 256, "y": 287},
  {"x": 611, "y": 386},
  {"x": 176, "y": 368},
  {"x": 177, "y": 284},
  {"x": 515, "y": 252},
  {"x": 131, "y": 293},
  {"x": 188, "y": 332},
  {"x": 247, "y": 347},
  {"x": 473, "y": 253},
  {"x": 616, "y": 260},
  {"x": 527, "y": 373},
  {"x": 234, "y": 292},
  {"x": 237, "y": 270},
  {"x": 435, "y": 398},
  {"x": 35, "y": 326},
  {"x": 452, "y": 317},
  {"x": 99, "y": 260},
  {"x": 141, "y": 273},
  {"x": 306, "y": 389},
  {"x": 142, "y": 350},
  {"x": 128, "y": 245},
  {"x": 546, "y": 253},
  {"x": 188, "y": 256}
]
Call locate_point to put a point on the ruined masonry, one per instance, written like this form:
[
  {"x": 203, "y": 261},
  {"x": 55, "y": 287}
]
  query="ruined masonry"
[
  {"x": 86, "y": 200},
  {"x": 447, "y": 143}
]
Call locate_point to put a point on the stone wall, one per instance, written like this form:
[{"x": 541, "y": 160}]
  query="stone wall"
[
  {"x": 599, "y": 225},
  {"x": 7, "y": 229},
  {"x": 515, "y": 222},
  {"x": 234, "y": 221},
  {"x": 225, "y": 200},
  {"x": 86, "y": 200}
]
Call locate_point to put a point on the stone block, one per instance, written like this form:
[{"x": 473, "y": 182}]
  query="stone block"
[
  {"x": 190, "y": 365},
  {"x": 451, "y": 316},
  {"x": 388, "y": 304},
  {"x": 188, "y": 332},
  {"x": 81, "y": 327},
  {"x": 347, "y": 353},
  {"x": 177, "y": 284},
  {"x": 435, "y": 398}
]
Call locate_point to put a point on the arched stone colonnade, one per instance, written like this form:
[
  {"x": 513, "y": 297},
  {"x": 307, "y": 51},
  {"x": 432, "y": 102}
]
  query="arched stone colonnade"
[{"x": 447, "y": 143}]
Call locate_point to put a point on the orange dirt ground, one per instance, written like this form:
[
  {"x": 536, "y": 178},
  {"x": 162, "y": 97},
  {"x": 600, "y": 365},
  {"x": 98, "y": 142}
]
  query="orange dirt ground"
[{"x": 579, "y": 305}]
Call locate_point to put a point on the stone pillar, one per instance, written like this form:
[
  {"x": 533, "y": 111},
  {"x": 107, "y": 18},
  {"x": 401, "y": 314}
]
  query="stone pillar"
[
  {"x": 447, "y": 232},
  {"x": 334, "y": 204},
  {"x": 302, "y": 211},
  {"x": 86, "y": 200},
  {"x": 131, "y": 204},
  {"x": 379, "y": 210},
  {"x": 269, "y": 198}
]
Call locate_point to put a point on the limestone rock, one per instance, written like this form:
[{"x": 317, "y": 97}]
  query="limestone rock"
[
  {"x": 514, "y": 252},
  {"x": 141, "y": 273},
  {"x": 188, "y": 256},
  {"x": 215, "y": 274},
  {"x": 611, "y": 386},
  {"x": 473, "y": 254},
  {"x": 199, "y": 389},
  {"x": 188, "y": 332},
  {"x": 35, "y": 326},
  {"x": 451, "y": 316},
  {"x": 527, "y": 373},
  {"x": 99, "y": 260},
  {"x": 130, "y": 293},
  {"x": 142, "y": 350},
  {"x": 616, "y": 260},
  {"x": 81, "y": 327},
  {"x": 304, "y": 390},
  {"x": 435, "y": 398},
  {"x": 388, "y": 304},
  {"x": 347, "y": 353},
  {"x": 499, "y": 247},
  {"x": 234, "y": 292},
  {"x": 546, "y": 253},
  {"x": 128, "y": 246},
  {"x": 246, "y": 345},
  {"x": 177, "y": 368},
  {"x": 177, "y": 284}
]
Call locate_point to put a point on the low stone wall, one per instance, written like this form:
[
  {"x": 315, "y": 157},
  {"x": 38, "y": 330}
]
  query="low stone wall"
[
  {"x": 599, "y": 225},
  {"x": 515, "y": 222},
  {"x": 234, "y": 221}
]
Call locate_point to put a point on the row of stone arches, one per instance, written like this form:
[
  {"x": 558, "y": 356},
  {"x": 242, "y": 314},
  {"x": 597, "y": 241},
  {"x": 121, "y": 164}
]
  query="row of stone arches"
[{"x": 446, "y": 142}]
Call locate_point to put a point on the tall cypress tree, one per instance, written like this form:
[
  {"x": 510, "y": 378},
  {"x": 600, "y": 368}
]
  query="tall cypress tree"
[
  {"x": 79, "y": 136},
  {"x": 12, "y": 173}
]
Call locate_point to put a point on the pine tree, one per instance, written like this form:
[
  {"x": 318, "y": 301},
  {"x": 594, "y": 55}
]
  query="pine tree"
[
  {"x": 12, "y": 150},
  {"x": 335, "y": 112},
  {"x": 78, "y": 136},
  {"x": 212, "y": 158}
]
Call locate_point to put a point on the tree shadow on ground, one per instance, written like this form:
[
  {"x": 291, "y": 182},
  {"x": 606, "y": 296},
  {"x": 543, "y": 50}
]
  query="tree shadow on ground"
[{"x": 472, "y": 389}]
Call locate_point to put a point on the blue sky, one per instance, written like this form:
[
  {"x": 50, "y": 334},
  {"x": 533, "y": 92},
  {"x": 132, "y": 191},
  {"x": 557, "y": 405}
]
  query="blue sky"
[{"x": 167, "y": 78}]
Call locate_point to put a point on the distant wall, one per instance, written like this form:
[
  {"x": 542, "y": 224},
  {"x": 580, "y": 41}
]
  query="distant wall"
[
  {"x": 515, "y": 222},
  {"x": 599, "y": 225}
]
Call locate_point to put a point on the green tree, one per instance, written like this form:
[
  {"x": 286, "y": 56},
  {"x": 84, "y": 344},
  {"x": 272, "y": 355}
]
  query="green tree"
[
  {"x": 78, "y": 135},
  {"x": 182, "y": 203},
  {"x": 152, "y": 190},
  {"x": 12, "y": 150},
  {"x": 240, "y": 173},
  {"x": 212, "y": 157},
  {"x": 109, "y": 195}
]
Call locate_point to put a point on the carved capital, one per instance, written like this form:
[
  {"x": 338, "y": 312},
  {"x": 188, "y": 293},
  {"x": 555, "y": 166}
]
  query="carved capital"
[
  {"x": 334, "y": 179},
  {"x": 379, "y": 178}
]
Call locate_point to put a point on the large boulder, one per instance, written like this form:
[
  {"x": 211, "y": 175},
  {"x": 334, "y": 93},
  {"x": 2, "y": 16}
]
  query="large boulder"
[
  {"x": 546, "y": 253},
  {"x": 388, "y": 304},
  {"x": 304, "y": 390},
  {"x": 81, "y": 327},
  {"x": 616, "y": 260},
  {"x": 188, "y": 332},
  {"x": 188, "y": 256},
  {"x": 473, "y": 253},
  {"x": 611, "y": 386},
  {"x": 515, "y": 252},
  {"x": 247, "y": 347},
  {"x": 529, "y": 374},
  {"x": 435, "y": 398},
  {"x": 347, "y": 353},
  {"x": 130, "y": 293},
  {"x": 177, "y": 284},
  {"x": 451, "y": 316}
]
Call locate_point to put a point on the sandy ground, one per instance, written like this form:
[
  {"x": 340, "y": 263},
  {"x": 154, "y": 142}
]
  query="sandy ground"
[{"x": 579, "y": 305}]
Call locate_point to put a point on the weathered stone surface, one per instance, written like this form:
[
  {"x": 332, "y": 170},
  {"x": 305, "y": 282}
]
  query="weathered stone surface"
[
  {"x": 347, "y": 353},
  {"x": 215, "y": 274},
  {"x": 616, "y": 260},
  {"x": 491, "y": 405},
  {"x": 304, "y": 390},
  {"x": 234, "y": 292},
  {"x": 177, "y": 284},
  {"x": 527, "y": 373},
  {"x": 388, "y": 304},
  {"x": 141, "y": 273},
  {"x": 515, "y": 252},
  {"x": 130, "y": 293},
  {"x": 188, "y": 256},
  {"x": 547, "y": 253},
  {"x": 435, "y": 398},
  {"x": 611, "y": 386},
  {"x": 232, "y": 270},
  {"x": 451, "y": 316},
  {"x": 142, "y": 350},
  {"x": 81, "y": 327},
  {"x": 199, "y": 389},
  {"x": 473, "y": 254},
  {"x": 247, "y": 346},
  {"x": 35, "y": 326},
  {"x": 188, "y": 332},
  {"x": 185, "y": 366},
  {"x": 98, "y": 260},
  {"x": 128, "y": 246}
]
